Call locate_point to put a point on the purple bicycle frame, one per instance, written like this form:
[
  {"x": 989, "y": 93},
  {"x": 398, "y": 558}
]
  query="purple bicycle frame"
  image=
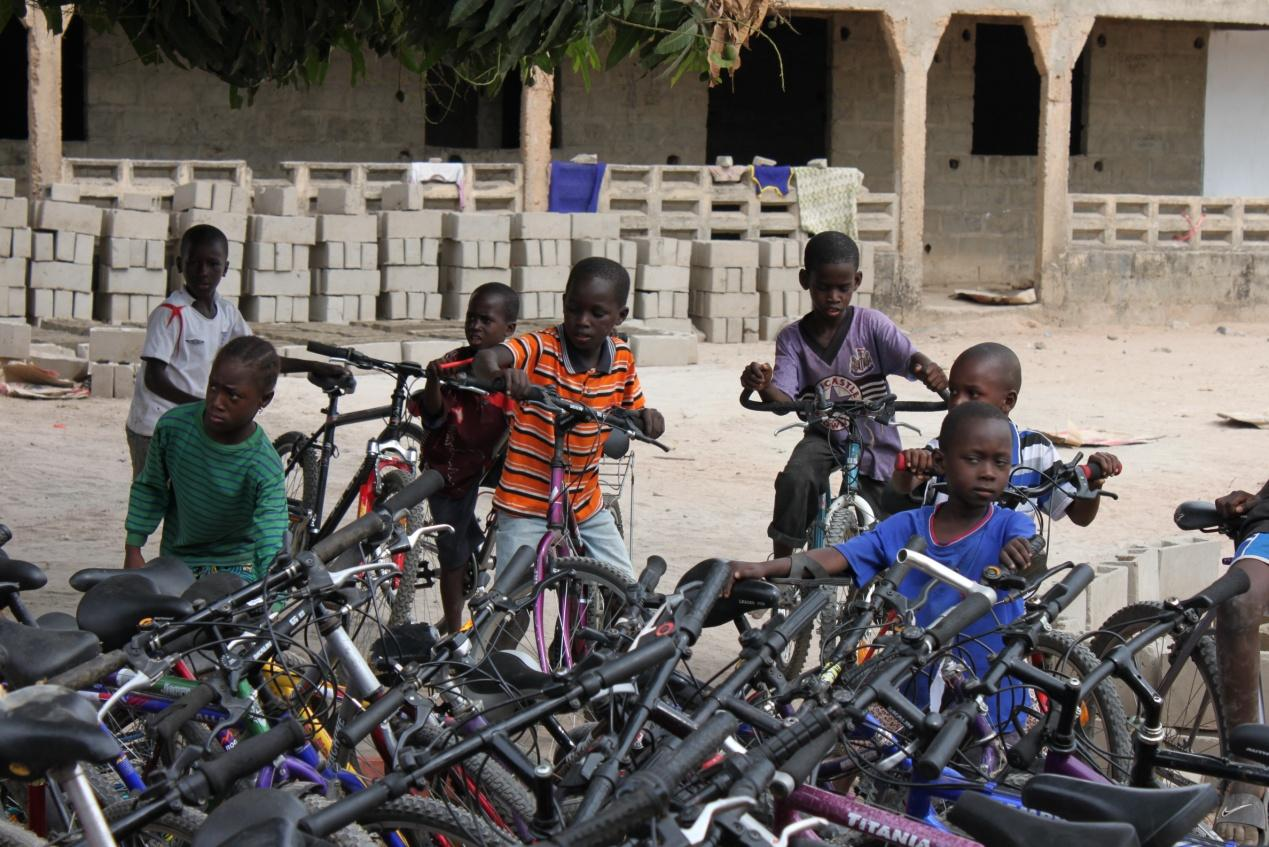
[{"x": 553, "y": 540}]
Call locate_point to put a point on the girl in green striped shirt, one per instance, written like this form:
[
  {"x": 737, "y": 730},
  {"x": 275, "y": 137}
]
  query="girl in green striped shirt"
[{"x": 212, "y": 476}]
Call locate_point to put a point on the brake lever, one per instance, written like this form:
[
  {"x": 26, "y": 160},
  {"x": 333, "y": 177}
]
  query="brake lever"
[{"x": 696, "y": 833}]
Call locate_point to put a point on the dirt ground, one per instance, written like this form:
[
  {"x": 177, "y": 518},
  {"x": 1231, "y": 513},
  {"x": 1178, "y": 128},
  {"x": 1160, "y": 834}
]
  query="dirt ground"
[{"x": 65, "y": 472}]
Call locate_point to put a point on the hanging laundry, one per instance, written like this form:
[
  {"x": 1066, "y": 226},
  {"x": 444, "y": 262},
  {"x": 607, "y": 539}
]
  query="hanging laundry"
[
  {"x": 575, "y": 186},
  {"x": 772, "y": 178},
  {"x": 827, "y": 198}
]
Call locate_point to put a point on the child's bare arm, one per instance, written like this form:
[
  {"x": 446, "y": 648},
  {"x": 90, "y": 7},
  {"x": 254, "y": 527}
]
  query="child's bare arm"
[
  {"x": 918, "y": 468},
  {"x": 757, "y": 377},
  {"x": 158, "y": 381},
  {"x": 828, "y": 558},
  {"x": 1083, "y": 512},
  {"x": 925, "y": 369}
]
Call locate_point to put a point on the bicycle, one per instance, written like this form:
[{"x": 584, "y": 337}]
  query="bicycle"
[{"x": 847, "y": 513}]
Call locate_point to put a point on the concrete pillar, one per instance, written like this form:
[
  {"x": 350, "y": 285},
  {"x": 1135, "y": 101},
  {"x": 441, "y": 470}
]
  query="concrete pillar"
[
  {"x": 43, "y": 99},
  {"x": 1056, "y": 44},
  {"x": 912, "y": 42},
  {"x": 535, "y": 138}
]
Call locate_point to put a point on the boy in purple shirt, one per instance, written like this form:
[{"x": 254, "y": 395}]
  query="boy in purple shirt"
[{"x": 843, "y": 350}]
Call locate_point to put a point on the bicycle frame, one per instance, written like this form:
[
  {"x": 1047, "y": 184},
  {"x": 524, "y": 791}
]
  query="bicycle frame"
[{"x": 561, "y": 538}]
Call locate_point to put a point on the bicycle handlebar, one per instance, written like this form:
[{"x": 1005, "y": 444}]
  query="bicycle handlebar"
[
  {"x": 882, "y": 408},
  {"x": 707, "y": 593},
  {"x": 361, "y": 360},
  {"x": 251, "y": 755},
  {"x": 379, "y": 521},
  {"x": 615, "y": 417}
]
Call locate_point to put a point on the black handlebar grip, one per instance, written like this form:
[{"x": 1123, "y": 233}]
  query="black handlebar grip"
[
  {"x": 516, "y": 573},
  {"x": 1024, "y": 753},
  {"x": 352, "y": 732},
  {"x": 1233, "y": 583},
  {"x": 958, "y": 617},
  {"x": 801, "y": 763},
  {"x": 706, "y": 596},
  {"x": 183, "y": 710},
  {"x": 652, "y": 573},
  {"x": 347, "y": 809},
  {"x": 250, "y": 755},
  {"x": 806, "y": 613},
  {"x": 328, "y": 350},
  {"x": 687, "y": 758},
  {"x": 415, "y": 492},
  {"x": 1072, "y": 585},
  {"x": 788, "y": 741},
  {"x": 627, "y": 666},
  {"x": 91, "y": 671},
  {"x": 1036, "y": 544},
  {"x": 944, "y": 746},
  {"x": 366, "y": 526}
]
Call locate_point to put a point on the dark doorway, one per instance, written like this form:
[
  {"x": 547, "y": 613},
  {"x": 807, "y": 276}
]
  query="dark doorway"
[
  {"x": 1006, "y": 92},
  {"x": 756, "y": 113},
  {"x": 459, "y": 116},
  {"x": 13, "y": 69}
]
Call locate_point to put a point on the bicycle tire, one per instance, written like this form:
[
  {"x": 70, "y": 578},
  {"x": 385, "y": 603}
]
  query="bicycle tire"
[
  {"x": 173, "y": 828},
  {"x": 612, "y": 502},
  {"x": 353, "y": 835},
  {"x": 509, "y": 796},
  {"x": 301, "y": 479},
  {"x": 1193, "y": 707},
  {"x": 405, "y": 603},
  {"x": 843, "y": 523},
  {"x": 427, "y": 821}
]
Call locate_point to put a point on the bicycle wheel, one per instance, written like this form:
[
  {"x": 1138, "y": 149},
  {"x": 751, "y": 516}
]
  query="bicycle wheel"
[
  {"x": 612, "y": 502},
  {"x": 173, "y": 828},
  {"x": 420, "y": 821},
  {"x": 1193, "y": 709},
  {"x": 416, "y": 596},
  {"x": 301, "y": 479},
  {"x": 481, "y": 784},
  {"x": 845, "y": 521}
]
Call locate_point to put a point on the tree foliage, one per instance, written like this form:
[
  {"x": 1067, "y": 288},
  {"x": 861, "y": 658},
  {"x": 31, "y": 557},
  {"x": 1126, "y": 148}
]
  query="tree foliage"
[{"x": 248, "y": 43}]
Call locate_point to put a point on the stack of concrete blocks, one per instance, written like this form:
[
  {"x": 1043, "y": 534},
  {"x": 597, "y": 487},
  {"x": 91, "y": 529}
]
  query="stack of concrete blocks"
[
  {"x": 475, "y": 249},
  {"x": 131, "y": 270},
  {"x": 346, "y": 259},
  {"x": 662, "y": 283},
  {"x": 219, "y": 204},
  {"x": 723, "y": 299},
  {"x": 113, "y": 354},
  {"x": 600, "y": 235},
  {"x": 541, "y": 255},
  {"x": 780, "y": 295},
  {"x": 62, "y": 247},
  {"x": 276, "y": 283},
  {"x": 409, "y": 255},
  {"x": 15, "y": 249}
]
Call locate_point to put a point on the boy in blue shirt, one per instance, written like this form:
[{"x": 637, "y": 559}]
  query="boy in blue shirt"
[{"x": 967, "y": 533}]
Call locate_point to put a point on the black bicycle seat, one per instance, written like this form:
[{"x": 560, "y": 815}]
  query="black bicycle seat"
[
  {"x": 45, "y": 727},
  {"x": 502, "y": 668},
  {"x": 33, "y": 654},
  {"x": 1159, "y": 816},
  {"x": 1251, "y": 740},
  {"x": 168, "y": 575},
  {"x": 26, "y": 576},
  {"x": 113, "y": 609},
  {"x": 748, "y": 595},
  {"x": 1198, "y": 514},
  {"x": 991, "y": 822},
  {"x": 261, "y": 817},
  {"x": 57, "y": 620},
  {"x": 344, "y": 383}
]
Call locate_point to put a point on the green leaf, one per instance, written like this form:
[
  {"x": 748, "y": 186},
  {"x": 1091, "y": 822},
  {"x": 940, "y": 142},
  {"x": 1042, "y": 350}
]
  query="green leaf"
[
  {"x": 464, "y": 9},
  {"x": 678, "y": 40},
  {"x": 501, "y": 10},
  {"x": 627, "y": 39}
]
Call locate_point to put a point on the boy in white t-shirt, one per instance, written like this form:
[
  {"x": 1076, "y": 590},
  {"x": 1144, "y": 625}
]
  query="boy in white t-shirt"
[{"x": 183, "y": 336}]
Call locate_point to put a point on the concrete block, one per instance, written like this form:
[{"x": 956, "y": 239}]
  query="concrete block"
[
  {"x": 771, "y": 252},
  {"x": 84, "y": 245},
  {"x": 13, "y": 272},
  {"x": 402, "y": 196},
  {"x": 657, "y": 349},
  {"x": 538, "y": 279},
  {"x": 430, "y": 251},
  {"x": 494, "y": 254},
  {"x": 604, "y": 248},
  {"x": 712, "y": 279},
  {"x": 418, "y": 279},
  {"x": 369, "y": 255},
  {"x": 425, "y": 306},
  {"x": 769, "y": 327},
  {"x": 125, "y": 378},
  {"x": 424, "y": 350},
  {"x": 526, "y": 253},
  {"x": 62, "y": 192},
  {"x": 593, "y": 225},
  {"x": 124, "y": 223},
  {"x": 658, "y": 251},
  {"x": 792, "y": 254},
  {"x": 115, "y": 344},
  {"x": 232, "y": 224},
  {"x": 340, "y": 200},
  {"x": 629, "y": 256},
  {"x": 283, "y": 255},
  {"x": 101, "y": 380},
  {"x": 259, "y": 309},
  {"x": 43, "y": 247},
  {"x": 460, "y": 254},
  {"x": 193, "y": 195},
  {"x": 117, "y": 252},
  {"x": 720, "y": 330},
  {"x": 647, "y": 304},
  {"x": 301, "y": 257},
  {"x": 15, "y": 340},
  {"x": 290, "y": 283},
  {"x": 326, "y": 281},
  {"x": 64, "y": 251},
  {"x": 749, "y": 330},
  {"x": 6, "y": 242},
  {"x": 329, "y": 254},
  {"x": 13, "y": 212},
  {"x": 1187, "y": 565},
  {"x": 156, "y": 254},
  {"x": 22, "y": 243},
  {"x": 392, "y": 306},
  {"x": 1108, "y": 592},
  {"x": 724, "y": 254},
  {"x": 40, "y": 303},
  {"x": 777, "y": 279},
  {"x": 132, "y": 281},
  {"x": 540, "y": 225},
  {"x": 467, "y": 280},
  {"x": 260, "y": 257},
  {"x": 708, "y": 305},
  {"x": 66, "y": 276},
  {"x": 392, "y": 250},
  {"x": 683, "y": 324},
  {"x": 15, "y": 306},
  {"x": 476, "y": 226},
  {"x": 454, "y": 305},
  {"x": 82, "y": 306},
  {"x": 138, "y": 202},
  {"x": 347, "y": 228},
  {"x": 65, "y": 365},
  {"x": 276, "y": 200},
  {"x": 548, "y": 253},
  {"x": 401, "y": 224},
  {"x": 662, "y": 278},
  {"x": 8, "y": 187},
  {"x": 1143, "y": 573},
  {"x": 230, "y": 284},
  {"x": 285, "y": 230},
  {"x": 529, "y": 307}
]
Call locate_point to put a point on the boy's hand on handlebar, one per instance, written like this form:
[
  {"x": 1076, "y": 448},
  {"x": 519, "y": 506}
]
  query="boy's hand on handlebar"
[
  {"x": 931, "y": 375},
  {"x": 756, "y": 376},
  {"x": 746, "y": 570},
  {"x": 517, "y": 381},
  {"x": 918, "y": 464},
  {"x": 1016, "y": 554},
  {"x": 1108, "y": 464},
  {"x": 653, "y": 423},
  {"x": 1236, "y": 504}
]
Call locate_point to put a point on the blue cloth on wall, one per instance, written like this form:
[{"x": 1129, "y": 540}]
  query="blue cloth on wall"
[
  {"x": 575, "y": 187},
  {"x": 775, "y": 177}
]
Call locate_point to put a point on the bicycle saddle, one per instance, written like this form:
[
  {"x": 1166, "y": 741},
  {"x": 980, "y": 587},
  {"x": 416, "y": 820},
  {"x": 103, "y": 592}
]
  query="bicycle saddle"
[
  {"x": 344, "y": 383},
  {"x": 112, "y": 609},
  {"x": 26, "y": 576},
  {"x": 991, "y": 822},
  {"x": 168, "y": 575},
  {"x": 57, "y": 620},
  {"x": 1159, "y": 816},
  {"x": 261, "y": 817},
  {"x": 1251, "y": 740},
  {"x": 1198, "y": 514},
  {"x": 746, "y": 596},
  {"x": 32, "y": 655},
  {"x": 501, "y": 668},
  {"x": 45, "y": 727}
]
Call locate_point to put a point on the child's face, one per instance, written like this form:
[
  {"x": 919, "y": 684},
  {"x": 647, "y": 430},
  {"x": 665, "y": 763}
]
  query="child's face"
[
  {"x": 591, "y": 312},
  {"x": 977, "y": 464},
  {"x": 831, "y": 287},
  {"x": 982, "y": 380},
  {"x": 234, "y": 399},
  {"x": 487, "y": 324},
  {"x": 204, "y": 265}
]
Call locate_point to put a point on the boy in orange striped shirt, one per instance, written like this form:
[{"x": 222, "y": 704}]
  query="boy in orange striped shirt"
[{"x": 584, "y": 362}]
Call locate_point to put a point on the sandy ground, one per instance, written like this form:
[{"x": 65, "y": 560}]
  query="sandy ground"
[{"x": 65, "y": 472}]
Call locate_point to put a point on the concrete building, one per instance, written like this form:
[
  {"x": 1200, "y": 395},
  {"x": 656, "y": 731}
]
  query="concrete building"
[{"x": 1107, "y": 152}]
